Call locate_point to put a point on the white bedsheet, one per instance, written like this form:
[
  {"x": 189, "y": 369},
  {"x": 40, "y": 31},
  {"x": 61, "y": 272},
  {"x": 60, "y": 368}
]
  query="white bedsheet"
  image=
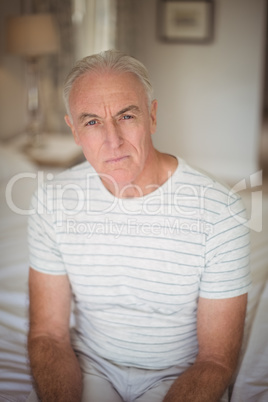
[
  {"x": 251, "y": 384},
  {"x": 252, "y": 381},
  {"x": 15, "y": 382}
]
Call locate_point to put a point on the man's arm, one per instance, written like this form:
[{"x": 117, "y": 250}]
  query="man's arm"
[
  {"x": 220, "y": 326},
  {"x": 54, "y": 366}
]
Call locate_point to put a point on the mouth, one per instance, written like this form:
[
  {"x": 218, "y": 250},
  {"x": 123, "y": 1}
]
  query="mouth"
[{"x": 117, "y": 159}]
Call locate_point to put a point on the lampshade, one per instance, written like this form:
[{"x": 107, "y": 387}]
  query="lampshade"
[{"x": 32, "y": 35}]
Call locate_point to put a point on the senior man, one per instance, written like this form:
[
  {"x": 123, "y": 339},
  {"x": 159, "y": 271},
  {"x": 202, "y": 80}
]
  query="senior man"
[{"x": 150, "y": 250}]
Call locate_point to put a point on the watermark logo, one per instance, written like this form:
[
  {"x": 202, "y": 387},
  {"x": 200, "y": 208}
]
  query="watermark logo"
[
  {"x": 67, "y": 200},
  {"x": 136, "y": 227},
  {"x": 254, "y": 221}
]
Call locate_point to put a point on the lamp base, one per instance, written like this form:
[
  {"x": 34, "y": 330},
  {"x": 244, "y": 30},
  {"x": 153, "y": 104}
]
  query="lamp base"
[
  {"x": 34, "y": 112},
  {"x": 56, "y": 149}
]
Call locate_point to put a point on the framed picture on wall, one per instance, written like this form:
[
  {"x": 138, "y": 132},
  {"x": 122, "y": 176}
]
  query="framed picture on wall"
[{"x": 186, "y": 20}]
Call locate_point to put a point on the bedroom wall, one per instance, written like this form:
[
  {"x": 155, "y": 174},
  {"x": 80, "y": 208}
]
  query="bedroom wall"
[{"x": 209, "y": 95}]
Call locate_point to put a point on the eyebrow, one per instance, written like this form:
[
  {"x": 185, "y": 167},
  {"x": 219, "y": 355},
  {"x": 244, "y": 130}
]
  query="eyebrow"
[
  {"x": 129, "y": 108},
  {"x": 84, "y": 116}
]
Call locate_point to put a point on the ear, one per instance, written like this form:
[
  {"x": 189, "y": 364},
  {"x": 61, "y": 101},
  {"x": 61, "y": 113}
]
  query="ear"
[
  {"x": 153, "y": 116},
  {"x": 70, "y": 124}
]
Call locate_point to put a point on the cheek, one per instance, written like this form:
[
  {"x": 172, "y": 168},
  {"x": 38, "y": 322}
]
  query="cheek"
[
  {"x": 90, "y": 149},
  {"x": 143, "y": 142},
  {"x": 138, "y": 137},
  {"x": 89, "y": 141}
]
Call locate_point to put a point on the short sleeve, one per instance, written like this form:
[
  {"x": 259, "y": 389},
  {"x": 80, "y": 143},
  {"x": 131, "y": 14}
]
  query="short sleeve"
[
  {"x": 227, "y": 273},
  {"x": 44, "y": 254}
]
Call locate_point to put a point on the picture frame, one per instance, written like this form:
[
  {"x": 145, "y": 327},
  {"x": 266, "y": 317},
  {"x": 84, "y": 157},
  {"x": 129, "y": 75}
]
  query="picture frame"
[{"x": 186, "y": 21}]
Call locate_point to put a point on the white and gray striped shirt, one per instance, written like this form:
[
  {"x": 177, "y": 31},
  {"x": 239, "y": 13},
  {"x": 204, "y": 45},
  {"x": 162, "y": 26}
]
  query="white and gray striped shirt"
[{"x": 137, "y": 266}]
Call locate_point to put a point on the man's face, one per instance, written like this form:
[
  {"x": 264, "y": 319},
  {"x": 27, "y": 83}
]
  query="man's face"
[{"x": 113, "y": 125}]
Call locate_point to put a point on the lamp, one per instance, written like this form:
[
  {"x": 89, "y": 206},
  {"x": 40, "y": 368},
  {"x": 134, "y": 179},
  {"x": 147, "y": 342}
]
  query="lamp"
[{"x": 32, "y": 36}]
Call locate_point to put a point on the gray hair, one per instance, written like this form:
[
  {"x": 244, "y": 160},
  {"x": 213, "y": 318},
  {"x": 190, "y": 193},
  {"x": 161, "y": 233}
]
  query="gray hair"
[{"x": 108, "y": 61}]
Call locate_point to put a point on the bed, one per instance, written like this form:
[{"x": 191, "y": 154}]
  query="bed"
[{"x": 251, "y": 382}]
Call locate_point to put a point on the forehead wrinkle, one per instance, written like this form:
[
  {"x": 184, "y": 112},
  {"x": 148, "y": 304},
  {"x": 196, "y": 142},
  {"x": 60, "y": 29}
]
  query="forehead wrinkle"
[
  {"x": 129, "y": 108},
  {"x": 105, "y": 90}
]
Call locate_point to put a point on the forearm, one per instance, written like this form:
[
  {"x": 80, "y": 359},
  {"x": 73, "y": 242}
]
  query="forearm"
[
  {"x": 55, "y": 370},
  {"x": 202, "y": 382}
]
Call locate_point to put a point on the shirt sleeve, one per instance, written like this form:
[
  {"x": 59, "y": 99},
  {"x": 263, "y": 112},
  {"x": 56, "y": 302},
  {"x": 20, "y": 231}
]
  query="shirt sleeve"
[
  {"x": 44, "y": 254},
  {"x": 227, "y": 273}
]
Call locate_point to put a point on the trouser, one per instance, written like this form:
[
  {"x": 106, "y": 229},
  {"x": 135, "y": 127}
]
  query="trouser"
[
  {"x": 104, "y": 381},
  {"x": 97, "y": 389}
]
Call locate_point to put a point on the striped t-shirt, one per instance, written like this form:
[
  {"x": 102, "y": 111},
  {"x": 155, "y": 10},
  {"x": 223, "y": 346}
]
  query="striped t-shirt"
[{"x": 137, "y": 266}]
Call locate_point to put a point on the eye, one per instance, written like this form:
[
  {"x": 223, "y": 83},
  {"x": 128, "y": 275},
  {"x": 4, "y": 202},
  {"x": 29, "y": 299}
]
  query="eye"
[
  {"x": 91, "y": 122},
  {"x": 127, "y": 117}
]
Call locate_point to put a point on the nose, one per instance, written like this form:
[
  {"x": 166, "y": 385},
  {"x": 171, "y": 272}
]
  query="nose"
[{"x": 113, "y": 135}]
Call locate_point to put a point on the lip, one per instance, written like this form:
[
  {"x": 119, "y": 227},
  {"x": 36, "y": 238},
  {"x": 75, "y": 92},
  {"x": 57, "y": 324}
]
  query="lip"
[{"x": 117, "y": 160}]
